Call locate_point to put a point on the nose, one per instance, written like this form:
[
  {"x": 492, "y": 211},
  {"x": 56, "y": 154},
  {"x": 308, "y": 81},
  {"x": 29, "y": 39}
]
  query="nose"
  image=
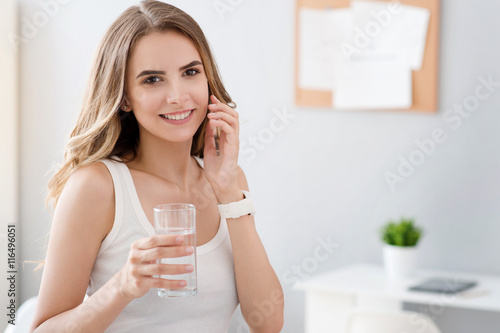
[{"x": 176, "y": 93}]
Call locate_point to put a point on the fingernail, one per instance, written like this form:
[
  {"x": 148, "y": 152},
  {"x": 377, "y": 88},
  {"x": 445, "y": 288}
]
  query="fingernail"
[
  {"x": 189, "y": 268},
  {"x": 189, "y": 250},
  {"x": 179, "y": 239},
  {"x": 182, "y": 283}
]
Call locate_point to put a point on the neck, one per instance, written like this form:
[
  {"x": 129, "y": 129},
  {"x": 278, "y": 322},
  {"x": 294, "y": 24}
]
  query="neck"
[{"x": 167, "y": 160}]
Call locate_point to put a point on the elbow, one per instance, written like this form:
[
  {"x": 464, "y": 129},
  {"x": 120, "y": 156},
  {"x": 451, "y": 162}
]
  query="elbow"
[
  {"x": 276, "y": 326},
  {"x": 267, "y": 316},
  {"x": 271, "y": 327},
  {"x": 272, "y": 324},
  {"x": 37, "y": 325},
  {"x": 34, "y": 328}
]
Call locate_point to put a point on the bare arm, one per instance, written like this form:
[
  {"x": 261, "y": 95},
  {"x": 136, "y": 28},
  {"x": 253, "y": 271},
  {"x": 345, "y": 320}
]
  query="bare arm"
[
  {"x": 93, "y": 315},
  {"x": 259, "y": 290},
  {"x": 83, "y": 217}
]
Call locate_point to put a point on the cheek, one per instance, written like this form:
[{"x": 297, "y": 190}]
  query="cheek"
[
  {"x": 147, "y": 100},
  {"x": 201, "y": 94}
]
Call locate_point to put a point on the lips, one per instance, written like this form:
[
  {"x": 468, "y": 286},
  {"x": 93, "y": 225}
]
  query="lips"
[
  {"x": 178, "y": 117},
  {"x": 181, "y": 115}
]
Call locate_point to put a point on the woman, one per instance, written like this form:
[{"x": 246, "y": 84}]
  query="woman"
[{"x": 144, "y": 137}]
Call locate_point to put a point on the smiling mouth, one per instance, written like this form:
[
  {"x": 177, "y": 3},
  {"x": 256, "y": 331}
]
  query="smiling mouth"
[{"x": 178, "y": 116}]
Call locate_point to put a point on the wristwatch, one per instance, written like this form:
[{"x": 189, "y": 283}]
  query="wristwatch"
[{"x": 236, "y": 209}]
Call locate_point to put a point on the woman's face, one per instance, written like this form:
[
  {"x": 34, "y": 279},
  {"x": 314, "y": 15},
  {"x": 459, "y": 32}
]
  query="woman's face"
[{"x": 166, "y": 86}]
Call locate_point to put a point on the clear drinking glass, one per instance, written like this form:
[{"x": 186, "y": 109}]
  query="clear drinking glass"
[{"x": 178, "y": 219}]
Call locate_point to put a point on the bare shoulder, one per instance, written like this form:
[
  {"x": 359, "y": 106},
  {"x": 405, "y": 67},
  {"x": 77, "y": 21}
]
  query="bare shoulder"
[
  {"x": 82, "y": 218},
  {"x": 90, "y": 188},
  {"x": 94, "y": 177}
]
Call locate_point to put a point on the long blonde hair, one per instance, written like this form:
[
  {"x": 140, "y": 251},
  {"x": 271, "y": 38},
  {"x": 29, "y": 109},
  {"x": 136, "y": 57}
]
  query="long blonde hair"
[{"x": 102, "y": 129}]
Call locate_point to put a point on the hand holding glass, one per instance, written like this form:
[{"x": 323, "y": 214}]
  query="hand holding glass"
[{"x": 178, "y": 219}]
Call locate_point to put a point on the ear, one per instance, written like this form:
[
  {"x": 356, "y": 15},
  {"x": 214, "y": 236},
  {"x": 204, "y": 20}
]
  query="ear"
[{"x": 125, "y": 105}]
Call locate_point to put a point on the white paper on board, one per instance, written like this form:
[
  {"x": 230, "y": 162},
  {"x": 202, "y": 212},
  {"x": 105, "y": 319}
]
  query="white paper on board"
[
  {"x": 374, "y": 81},
  {"x": 320, "y": 33},
  {"x": 365, "y": 54},
  {"x": 391, "y": 27}
]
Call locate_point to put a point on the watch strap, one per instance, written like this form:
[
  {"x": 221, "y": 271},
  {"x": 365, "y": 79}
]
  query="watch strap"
[{"x": 237, "y": 209}]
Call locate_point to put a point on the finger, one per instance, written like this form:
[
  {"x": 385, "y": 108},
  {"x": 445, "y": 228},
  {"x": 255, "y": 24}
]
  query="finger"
[
  {"x": 166, "y": 252},
  {"x": 229, "y": 137},
  {"x": 163, "y": 269},
  {"x": 219, "y": 106},
  {"x": 226, "y": 128},
  {"x": 223, "y": 116},
  {"x": 157, "y": 240},
  {"x": 223, "y": 107},
  {"x": 152, "y": 282}
]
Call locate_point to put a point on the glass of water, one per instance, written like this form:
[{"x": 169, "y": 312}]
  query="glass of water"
[{"x": 178, "y": 219}]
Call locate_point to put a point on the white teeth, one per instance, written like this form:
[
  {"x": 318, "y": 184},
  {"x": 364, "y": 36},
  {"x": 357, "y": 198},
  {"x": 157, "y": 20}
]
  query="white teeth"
[{"x": 177, "y": 116}]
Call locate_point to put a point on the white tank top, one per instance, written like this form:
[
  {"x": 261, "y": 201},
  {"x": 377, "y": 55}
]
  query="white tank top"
[{"x": 208, "y": 311}]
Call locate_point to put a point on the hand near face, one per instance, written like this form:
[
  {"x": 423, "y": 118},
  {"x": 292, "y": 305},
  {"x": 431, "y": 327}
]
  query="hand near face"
[{"x": 222, "y": 171}]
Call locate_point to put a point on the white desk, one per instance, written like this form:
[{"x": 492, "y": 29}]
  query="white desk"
[{"x": 331, "y": 296}]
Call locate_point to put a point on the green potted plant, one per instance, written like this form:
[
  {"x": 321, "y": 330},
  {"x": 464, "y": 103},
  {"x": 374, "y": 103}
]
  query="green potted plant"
[{"x": 400, "y": 247}]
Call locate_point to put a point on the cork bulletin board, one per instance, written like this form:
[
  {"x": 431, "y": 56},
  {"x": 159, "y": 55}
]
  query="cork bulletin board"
[{"x": 424, "y": 81}]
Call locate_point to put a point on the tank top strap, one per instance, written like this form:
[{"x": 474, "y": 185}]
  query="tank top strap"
[
  {"x": 113, "y": 168},
  {"x": 130, "y": 191}
]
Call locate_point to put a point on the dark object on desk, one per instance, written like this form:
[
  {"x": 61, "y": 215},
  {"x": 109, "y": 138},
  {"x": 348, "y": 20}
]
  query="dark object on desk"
[{"x": 446, "y": 286}]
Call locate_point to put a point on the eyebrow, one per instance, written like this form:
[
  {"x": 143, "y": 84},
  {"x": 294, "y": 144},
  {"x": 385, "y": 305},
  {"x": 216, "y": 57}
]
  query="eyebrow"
[
  {"x": 152, "y": 72},
  {"x": 191, "y": 64}
]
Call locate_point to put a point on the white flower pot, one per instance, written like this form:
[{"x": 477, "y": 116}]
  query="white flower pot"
[{"x": 400, "y": 261}]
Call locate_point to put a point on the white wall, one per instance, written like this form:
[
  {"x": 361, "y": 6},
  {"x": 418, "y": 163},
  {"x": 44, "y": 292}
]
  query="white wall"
[{"x": 322, "y": 176}]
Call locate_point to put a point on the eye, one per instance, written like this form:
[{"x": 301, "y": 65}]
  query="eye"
[
  {"x": 191, "y": 72},
  {"x": 152, "y": 80}
]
